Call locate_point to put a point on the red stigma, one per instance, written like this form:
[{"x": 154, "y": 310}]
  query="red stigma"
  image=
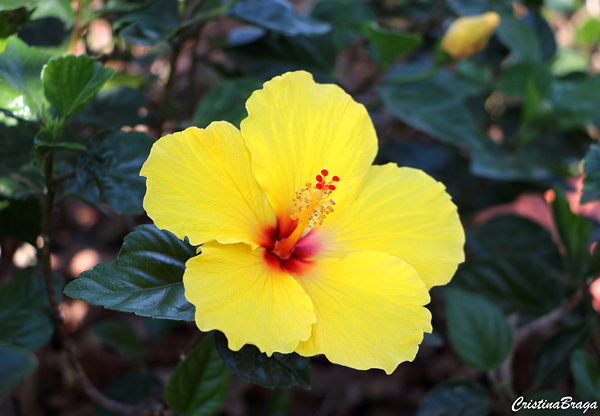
[
  {"x": 319, "y": 178},
  {"x": 331, "y": 188},
  {"x": 335, "y": 179},
  {"x": 319, "y": 186},
  {"x": 324, "y": 172}
]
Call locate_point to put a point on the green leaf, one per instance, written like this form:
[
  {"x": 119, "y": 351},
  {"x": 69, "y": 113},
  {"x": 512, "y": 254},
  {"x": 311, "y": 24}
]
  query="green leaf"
[
  {"x": 517, "y": 36},
  {"x": 43, "y": 143},
  {"x": 435, "y": 106},
  {"x": 113, "y": 108},
  {"x": 588, "y": 32},
  {"x": 11, "y": 21},
  {"x": 145, "y": 279},
  {"x": 280, "y": 402},
  {"x": 574, "y": 232},
  {"x": 130, "y": 388},
  {"x": 551, "y": 360},
  {"x": 539, "y": 160},
  {"x": 346, "y": 19},
  {"x": 125, "y": 6},
  {"x": 591, "y": 183},
  {"x": 543, "y": 32},
  {"x": 150, "y": 26},
  {"x": 15, "y": 365},
  {"x": 59, "y": 9},
  {"x": 25, "y": 317},
  {"x": 20, "y": 83},
  {"x": 474, "y": 72},
  {"x": 391, "y": 44},
  {"x": 574, "y": 102},
  {"x": 276, "y": 371},
  {"x": 199, "y": 384},
  {"x": 511, "y": 235},
  {"x": 15, "y": 4},
  {"x": 226, "y": 102},
  {"x": 473, "y": 7},
  {"x": 514, "y": 80},
  {"x": 586, "y": 375},
  {"x": 70, "y": 82},
  {"x": 522, "y": 284},
  {"x": 278, "y": 16},
  {"x": 108, "y": 172},
  {"x": 462, "y": 397},
  {"x": 264, "y": 56},
  {"x": 119, "y": 335},
  {"x": 478, "y": 330}
]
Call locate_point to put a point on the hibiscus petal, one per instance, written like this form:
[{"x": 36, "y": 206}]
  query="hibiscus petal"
[
  {"x": 402, "y": 212},
  {"x": 296, "y": 128},
  {"x": 200, "y": 185},
  {"x": 235, "y": 292},
  {"x": 369, "y": 309}
]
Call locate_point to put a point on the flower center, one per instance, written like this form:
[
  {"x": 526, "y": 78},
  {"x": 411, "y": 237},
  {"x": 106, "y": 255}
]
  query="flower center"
[{"x": 311, "y": 206}]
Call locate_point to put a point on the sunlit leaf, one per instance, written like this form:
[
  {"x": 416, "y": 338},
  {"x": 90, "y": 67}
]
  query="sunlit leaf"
[
  {"x": 70, "y": 82},
  {"x": 21, "y": 90}
]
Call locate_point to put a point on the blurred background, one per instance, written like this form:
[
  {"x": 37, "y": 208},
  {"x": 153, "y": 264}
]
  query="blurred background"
[{"x": 510, "y": 130}]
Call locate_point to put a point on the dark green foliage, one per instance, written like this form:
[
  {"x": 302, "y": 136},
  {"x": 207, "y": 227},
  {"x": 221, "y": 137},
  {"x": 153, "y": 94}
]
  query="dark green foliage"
[
  {"x": 276, "y": 371},
  {"x": 15, "y": 364},
  {"x": 25, "y": 317},
  {"x": 130, "y": 388},
  {"x": 119, "y": 335},
  {"x": 199, "y": 384},
  {"x": 226, "y": 102},
  {"x": 552, "y": 359},
  {"x": 277, "y": 16},
  {"x": 108, "y": 172},
  {"x": 478, "y": 331},
  {"x": 146, "y": 278},
  {"x": 462, "y": 397},
  {"x": 518, "y": 117},
  {"x": 586, "y": 375}
]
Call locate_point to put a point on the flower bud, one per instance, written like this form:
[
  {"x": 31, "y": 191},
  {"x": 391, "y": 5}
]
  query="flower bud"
[{"x": 470, "y": 34}]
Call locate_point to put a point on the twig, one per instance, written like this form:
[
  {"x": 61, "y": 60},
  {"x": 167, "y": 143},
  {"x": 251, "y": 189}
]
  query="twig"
[
  {"x": 547, "y": 321},
  {"x": 64, "y": 176},
  {"x": 76, "y": 32},
  {"x": 92, "y": 392},
  {"x": 167, "y": 92}
]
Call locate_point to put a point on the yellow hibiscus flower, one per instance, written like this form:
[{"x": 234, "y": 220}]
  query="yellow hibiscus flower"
[{"x": 306, "y": 247}]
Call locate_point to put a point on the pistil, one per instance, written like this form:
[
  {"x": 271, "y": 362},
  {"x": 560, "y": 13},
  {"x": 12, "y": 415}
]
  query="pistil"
[{"x": 311, "y": 206}]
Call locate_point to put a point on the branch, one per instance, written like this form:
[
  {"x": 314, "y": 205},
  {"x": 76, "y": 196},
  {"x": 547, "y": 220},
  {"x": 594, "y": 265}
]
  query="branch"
[
  {"x": 547, "y": 321},
  {"x": 48, "y": 206}
]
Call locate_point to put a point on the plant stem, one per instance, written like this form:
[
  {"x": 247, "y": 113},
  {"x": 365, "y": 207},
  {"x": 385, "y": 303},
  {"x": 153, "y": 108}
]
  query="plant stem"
[
  {"x": 76, "y": 32},
  {"x": 48, "y": 206},
  {"x": 168, "y": 91}
]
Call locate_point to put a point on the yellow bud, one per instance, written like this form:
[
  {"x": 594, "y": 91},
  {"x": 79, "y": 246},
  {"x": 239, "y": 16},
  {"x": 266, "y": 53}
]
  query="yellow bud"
[{"x": 470, "y": 34}]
